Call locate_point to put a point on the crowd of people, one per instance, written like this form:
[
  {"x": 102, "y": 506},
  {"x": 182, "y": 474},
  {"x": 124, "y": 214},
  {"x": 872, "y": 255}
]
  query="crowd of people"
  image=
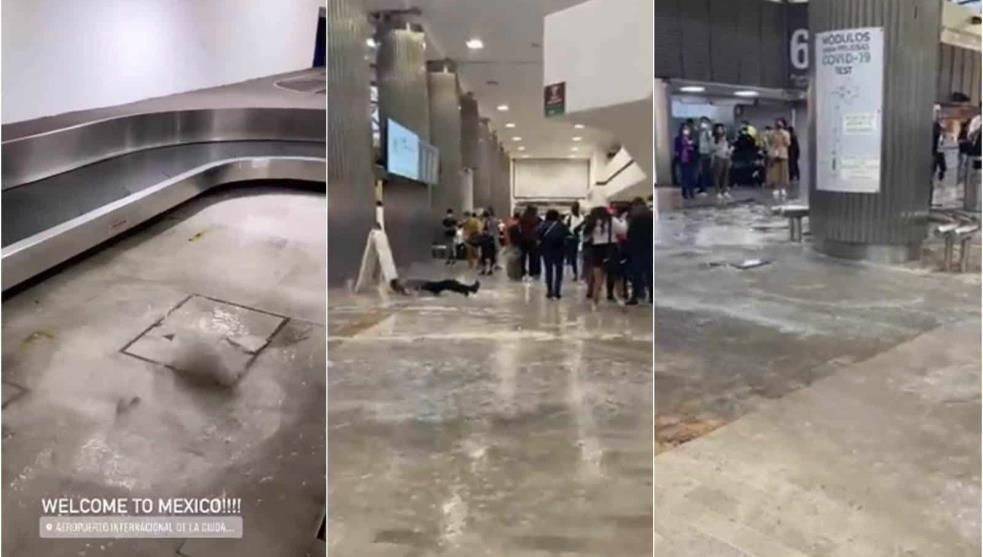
[
  {"x": 609, "y": 248},
  {"x": 705, "y": 157}
]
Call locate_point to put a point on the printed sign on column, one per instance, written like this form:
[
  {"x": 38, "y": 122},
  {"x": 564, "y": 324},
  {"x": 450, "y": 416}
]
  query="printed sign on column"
[
  {"x": 555, "y": 99},
  {"x": 849, "y": 103}
]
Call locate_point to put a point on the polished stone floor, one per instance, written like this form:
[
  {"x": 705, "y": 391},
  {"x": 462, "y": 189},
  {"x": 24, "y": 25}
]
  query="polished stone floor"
[
  {"x": 224, "y": 397},
  {"x": 810, "y": 407},
  {"x": 502, "y": 424}
]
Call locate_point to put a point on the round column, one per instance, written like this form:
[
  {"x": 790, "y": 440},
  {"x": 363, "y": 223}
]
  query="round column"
[{"x": 889, "y": 223}]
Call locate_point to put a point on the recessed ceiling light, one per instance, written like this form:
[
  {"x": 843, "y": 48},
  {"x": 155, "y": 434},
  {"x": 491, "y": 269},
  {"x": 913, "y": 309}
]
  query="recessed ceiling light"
[
  {"x": 510, "y": 125},
  {"x": 522, "y": 148},
  {"x": 516, "y": 138},
  {"x": 503, "y": 108},
  {"x": 746, "y": 93},
  {"x": 525, "y": 156},
  {"x": 579, "y": 126},
  {"x": 574, "y": 149},
  {"x": 571, "y": 157},
  {"x": 577, "y": 138},
  {"x": 692, "y": 89},
  {"x": 475, "y": 44},
  {"x": 371, "y": 42}
]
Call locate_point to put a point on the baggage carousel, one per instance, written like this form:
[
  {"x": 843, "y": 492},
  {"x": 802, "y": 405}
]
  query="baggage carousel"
[
  {"x": 163, "y": 314},
  {"x": 66, "y": 190}
]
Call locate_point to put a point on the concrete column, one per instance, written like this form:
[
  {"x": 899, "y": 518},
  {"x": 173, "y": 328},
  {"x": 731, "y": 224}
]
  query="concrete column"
[
  {"x": 891, "y": 224},
  {"x": 503, "y": 196},
  {"x": 401, "y": 68},
  {"x": 351, "y": 197},
  {"x": 445, "y": 134},
  {"x": 482, "y": 171},
  {"x": 470, "y": 122}
]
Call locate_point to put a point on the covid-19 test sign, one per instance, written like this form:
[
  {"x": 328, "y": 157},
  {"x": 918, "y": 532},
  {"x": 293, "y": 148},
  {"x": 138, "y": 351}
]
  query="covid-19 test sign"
[{"x": 849, "y": 109}]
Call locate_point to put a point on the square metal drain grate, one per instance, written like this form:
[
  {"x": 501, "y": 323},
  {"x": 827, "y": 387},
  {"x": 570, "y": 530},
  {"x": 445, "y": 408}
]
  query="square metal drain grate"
[{"x": 208, "y": 340}]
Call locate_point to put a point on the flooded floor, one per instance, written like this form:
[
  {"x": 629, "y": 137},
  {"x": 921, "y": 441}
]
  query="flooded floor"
[
  {"x": 809, "y": 406},
  {"x": 185, "y": 360},
  {"x": 500, "y": 424}
]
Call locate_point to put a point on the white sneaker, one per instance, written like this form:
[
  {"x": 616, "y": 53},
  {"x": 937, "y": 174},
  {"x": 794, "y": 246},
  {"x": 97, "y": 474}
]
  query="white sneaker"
[
  {"x": 774, "y": 194},
  {"x": 727, "y": 195}
]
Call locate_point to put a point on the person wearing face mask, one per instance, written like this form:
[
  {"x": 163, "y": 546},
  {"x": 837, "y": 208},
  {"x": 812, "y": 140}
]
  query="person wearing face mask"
[
  {"x": 778, "y": 144},
  {"x": 685, "y": 151},
  {"x": 705, "y": 149}
]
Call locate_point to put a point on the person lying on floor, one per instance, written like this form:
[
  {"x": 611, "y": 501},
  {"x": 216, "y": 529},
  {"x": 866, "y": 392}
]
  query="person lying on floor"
[{"x": 434, "y": 287}]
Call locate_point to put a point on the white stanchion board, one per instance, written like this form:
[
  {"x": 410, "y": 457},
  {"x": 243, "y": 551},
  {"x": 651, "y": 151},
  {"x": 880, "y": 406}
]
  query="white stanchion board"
[{"x": 849, "y": 109}]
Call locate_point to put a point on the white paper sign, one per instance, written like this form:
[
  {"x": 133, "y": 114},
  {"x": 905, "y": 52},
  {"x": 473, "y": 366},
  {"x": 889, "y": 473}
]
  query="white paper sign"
[{"x": 849, "y": 103}]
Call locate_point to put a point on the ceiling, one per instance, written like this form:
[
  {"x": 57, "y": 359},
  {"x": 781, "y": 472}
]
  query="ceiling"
[{"x": 508, "y": 70}]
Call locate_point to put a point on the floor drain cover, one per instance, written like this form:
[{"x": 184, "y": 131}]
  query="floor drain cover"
[{"x": 207, "y": 340}]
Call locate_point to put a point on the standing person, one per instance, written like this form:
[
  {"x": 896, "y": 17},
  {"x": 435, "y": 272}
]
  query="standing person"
[
  {"x": 599, "y": 227},
  {"x": 493, "y": 230},
  {"x": 449, "y": 225},
  {"x": 778, "y": 143},
  {"x": 529, "y": 226},
  {"x": 721, "y": 162},
  {"x": 617, "y": 267},
  {"x": 471, "y": 228},
  {"x": 553, "y": 236},
  {"x": 575, "y": 224},
  {"x": 705, "y": 149},
  {"x": 685, "y": 150},
  {"x": 639, "y": 247},
  {"x": 793, "y": 159},
  {"x": 486, "y": 243}
]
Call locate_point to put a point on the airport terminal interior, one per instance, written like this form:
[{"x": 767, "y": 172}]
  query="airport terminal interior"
[
  {"x": 163, "y": 269},
  {"x": 817, "y": 328},
  {"x": 499, "y": 420}
]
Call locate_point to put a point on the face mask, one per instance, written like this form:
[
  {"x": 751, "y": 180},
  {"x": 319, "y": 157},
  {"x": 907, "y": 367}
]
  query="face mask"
[{"x": 686, "y": 133}]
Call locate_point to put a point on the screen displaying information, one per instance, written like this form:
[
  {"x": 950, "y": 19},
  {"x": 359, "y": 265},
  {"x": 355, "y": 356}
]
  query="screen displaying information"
[
  {"x": 402, "y": 151},
  {"x": 849, "y": 103}
]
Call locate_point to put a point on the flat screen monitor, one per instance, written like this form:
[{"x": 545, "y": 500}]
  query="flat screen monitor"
[{"x": 402, "y": 151}]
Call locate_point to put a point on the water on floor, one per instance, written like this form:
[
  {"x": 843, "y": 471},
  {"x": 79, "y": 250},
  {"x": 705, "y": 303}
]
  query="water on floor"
[
  {"x": 810, "y": 406},
  {"x": 186, "y": 359},
  {"x": 498, "y": 424}
]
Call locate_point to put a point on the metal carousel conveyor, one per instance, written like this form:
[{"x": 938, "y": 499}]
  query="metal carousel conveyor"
[{"x": 68, "y": 190}]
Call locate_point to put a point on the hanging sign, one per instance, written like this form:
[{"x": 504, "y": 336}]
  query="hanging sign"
[
  {"x": 849, "y": 103},
  {"x": 555, "y": 98}
]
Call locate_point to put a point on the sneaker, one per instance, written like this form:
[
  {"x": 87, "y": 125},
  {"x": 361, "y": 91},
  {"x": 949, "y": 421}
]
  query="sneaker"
[
  {"x": 727, "y": 195},
  {"x": 475, "y": 287},
  {"x": 702, "y": 194},
  {"x": 632, "y": 302},
  {"x": 774, "y": 194}
]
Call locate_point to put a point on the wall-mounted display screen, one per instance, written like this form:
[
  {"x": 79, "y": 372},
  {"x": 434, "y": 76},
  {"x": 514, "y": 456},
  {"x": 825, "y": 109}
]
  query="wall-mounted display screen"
[{"x": 402, "y": 151}]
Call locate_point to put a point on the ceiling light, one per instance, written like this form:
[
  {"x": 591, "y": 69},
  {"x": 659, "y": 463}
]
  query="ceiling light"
[
  {"x": 510, "y": 125},
  {"x": 525, "y": 156},
  {"x": 475, "y": 44},
  {"x": 746, "y": 93},
  {"x": 579, "y": 126},
  {"x": 692, "y": 89},
  {"x": 522, "y": 148},
  {"x": 516, "y": 138},
  {"x": 503, "y": 108},
  {"x": 574, "y": 149},
  {"x": 577, "y": 138},
  {"x": 371, "y": 42}
]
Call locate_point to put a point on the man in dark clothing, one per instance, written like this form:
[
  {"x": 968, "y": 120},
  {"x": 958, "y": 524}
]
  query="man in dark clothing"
[
  {"x": 449, "y": 225},
  {"x": 639, "y": 248},
  {"x": 434, "y": 287},
  {"x": 553, "y": 236},
  {"x": 529, "y": 227}
]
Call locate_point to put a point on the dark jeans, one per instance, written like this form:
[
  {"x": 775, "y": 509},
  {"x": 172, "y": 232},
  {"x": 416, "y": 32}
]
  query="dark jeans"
[
  {"x": 435, "y": 287},
  {"x": 706, "y": 174},
  {"x": 641, "y": 275},
  {"x": 688, "y": 171},
  {"x": 531, "y": 264},
  {"x": 554, "y": 272},
  {"x": 572, "y": 253}
]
